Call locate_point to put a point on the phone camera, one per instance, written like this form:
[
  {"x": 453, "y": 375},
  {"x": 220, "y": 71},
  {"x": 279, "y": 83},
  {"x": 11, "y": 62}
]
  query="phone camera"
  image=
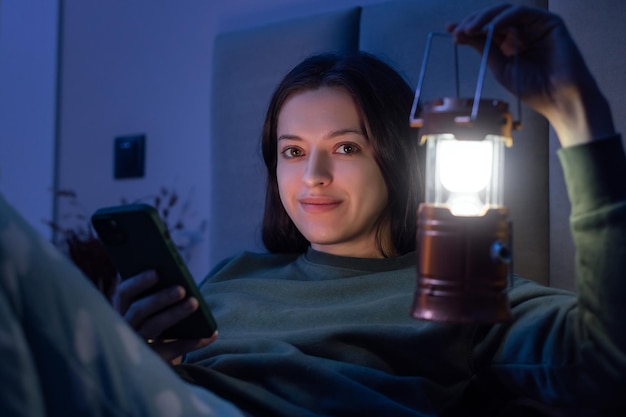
[{"x": 110, "y": 232}]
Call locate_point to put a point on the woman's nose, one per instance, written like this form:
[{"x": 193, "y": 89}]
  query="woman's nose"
[{"x": 318, "y": 170}]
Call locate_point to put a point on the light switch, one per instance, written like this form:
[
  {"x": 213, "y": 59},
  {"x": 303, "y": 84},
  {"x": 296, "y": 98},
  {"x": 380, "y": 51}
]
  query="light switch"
[{"x": 129, "y": 156}]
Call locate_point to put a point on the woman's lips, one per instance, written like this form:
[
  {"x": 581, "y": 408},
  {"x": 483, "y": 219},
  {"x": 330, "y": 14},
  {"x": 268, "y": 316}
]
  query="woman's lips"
[{"x": 318, "y": 204}]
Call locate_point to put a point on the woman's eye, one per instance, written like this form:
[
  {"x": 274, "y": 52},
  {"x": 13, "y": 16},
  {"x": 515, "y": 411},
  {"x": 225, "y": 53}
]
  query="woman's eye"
[
  {"x": 291, "y": 152},
  {"x": 347, "y": 148}
]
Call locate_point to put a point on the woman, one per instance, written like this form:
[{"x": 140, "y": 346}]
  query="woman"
[
  {"x": 322, "y": 327},
  {"x": 379, "y": 101}
]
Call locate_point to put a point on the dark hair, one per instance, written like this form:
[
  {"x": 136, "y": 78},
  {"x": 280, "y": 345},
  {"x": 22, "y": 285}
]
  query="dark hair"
[{"x": 384, "y": 99}]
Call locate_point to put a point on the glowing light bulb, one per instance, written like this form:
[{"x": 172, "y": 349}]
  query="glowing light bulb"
[{"x": 465, "y": 170}]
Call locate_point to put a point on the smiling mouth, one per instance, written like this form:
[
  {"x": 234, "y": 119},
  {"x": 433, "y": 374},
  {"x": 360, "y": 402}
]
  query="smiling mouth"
[{"x": 318, "y": 205}]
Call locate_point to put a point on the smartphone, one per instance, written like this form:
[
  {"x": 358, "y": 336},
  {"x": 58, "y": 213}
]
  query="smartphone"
[{"x": 136, "y": 239}]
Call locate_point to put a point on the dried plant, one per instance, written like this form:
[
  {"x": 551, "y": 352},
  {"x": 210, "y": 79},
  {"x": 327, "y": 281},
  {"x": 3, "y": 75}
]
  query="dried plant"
[{"x": 74, "y": 235}]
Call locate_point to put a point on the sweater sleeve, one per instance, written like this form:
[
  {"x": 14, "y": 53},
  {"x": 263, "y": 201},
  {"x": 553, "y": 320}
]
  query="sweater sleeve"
[
  {"x": 564, "y": 349},
  {"x": 596, "y": 183}
]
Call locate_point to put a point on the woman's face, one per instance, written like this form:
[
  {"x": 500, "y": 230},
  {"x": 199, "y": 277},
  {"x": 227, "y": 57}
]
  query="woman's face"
[{"x": 328, "y": 179}]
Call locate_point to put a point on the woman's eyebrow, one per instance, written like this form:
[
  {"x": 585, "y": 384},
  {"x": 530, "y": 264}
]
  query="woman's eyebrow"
[
  {"x": 288, "y": 137},
  {"x": 348, "y": 131},
  {"x": 333, "y": 134}
]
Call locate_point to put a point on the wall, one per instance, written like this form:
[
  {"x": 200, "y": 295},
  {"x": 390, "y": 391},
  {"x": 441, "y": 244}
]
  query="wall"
[
  {"x": 28, "y": 85},
  {"x": 598, "y": 28}
]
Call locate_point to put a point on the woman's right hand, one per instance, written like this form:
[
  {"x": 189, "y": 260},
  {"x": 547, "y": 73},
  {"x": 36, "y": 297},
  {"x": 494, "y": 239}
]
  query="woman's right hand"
[
  {"x": 535, "y": 57},
  {"x": 150, "y": 315}
]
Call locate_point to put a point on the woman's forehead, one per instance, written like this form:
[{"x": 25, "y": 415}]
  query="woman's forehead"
[{"x": 330, "y": 107}]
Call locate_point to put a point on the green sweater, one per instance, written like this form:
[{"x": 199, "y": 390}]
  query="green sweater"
[{"x": 322, "y": 335}]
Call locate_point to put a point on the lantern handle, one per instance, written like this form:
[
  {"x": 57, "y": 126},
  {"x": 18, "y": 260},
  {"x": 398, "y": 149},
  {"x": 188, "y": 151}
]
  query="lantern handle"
[
  {"x": 420, "y": 82},
  {"x": 417, "y": 122}
]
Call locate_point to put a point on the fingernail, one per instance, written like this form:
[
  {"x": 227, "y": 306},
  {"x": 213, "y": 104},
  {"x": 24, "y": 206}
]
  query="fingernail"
[
  {"x": 177, "y": 292},
  {"x": 191, "y": 304}
]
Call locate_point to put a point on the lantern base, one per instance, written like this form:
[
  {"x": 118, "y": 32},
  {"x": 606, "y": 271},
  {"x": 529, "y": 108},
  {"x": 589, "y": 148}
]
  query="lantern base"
[
  {"x": 455, "y": 308},
  {"x": 462, "y": 266}
]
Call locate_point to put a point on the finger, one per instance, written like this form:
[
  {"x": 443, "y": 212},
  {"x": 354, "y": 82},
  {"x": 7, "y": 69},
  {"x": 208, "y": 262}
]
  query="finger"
[
  {"x": 472, "y": 31},
  {"x": 525, "y": 26},
  {"x": 521, "y": 16},
  {"x": 173, "y": 351},
  {"x": 140, "y": 310},
  {"x": 476, "y": 22},
  {"x": 504, "y": 20},
  {"x": 129, "y": 289},
  {"x": 450, "y": 27},
  {"x": 153, "y": 326},
  {"x": 513, "y": 26}
]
